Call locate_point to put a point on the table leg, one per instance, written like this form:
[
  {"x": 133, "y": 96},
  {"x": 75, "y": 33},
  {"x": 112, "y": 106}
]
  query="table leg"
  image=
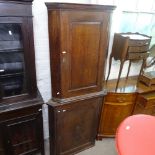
[
  {"x": 141, "y": 70},
  {"x": 109, "y": 69},
  {"x": 120, "y": 71},
  {"x": 128, "y": 69}
]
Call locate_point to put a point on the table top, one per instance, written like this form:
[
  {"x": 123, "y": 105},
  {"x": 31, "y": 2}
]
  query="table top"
[
  {"x": 136, "y": 135},
  {"x": 136, "y": 36}
]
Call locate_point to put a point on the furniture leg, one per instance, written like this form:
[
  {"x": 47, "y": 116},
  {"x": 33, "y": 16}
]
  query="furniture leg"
[
  {"x": 128, "y": 69},
  {"x": 141, "y": 70},
  {"x": 109, "y": 69},
  {"x": 120, "y": 71}
]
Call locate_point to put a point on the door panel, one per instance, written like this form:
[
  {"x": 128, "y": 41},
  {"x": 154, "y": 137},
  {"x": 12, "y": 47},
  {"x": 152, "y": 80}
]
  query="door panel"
[
  {"x": 84, "y": 42},
  {"x": 22, "y": 135},
  {"x": 82, "y": 49},
  {"x": 77, "y": 124},
  {"x": 117, "y": 106}
]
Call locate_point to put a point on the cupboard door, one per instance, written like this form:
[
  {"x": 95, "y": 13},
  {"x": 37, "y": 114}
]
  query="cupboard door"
[
  {"x": 17, "y": 70},
  {"x": 23, "y": 135},
  {"x": 117, "y": 106},
  {"x": 84, "y": 46},
  {"x": 76, "y": 126}
]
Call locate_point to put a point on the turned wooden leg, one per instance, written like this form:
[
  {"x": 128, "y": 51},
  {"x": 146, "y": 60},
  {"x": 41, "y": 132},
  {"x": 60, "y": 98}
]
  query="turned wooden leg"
[
  {"x": 109, "y": 69},
  {"x": 128, "y": 69},
  {"x": 120, "y": 71}
]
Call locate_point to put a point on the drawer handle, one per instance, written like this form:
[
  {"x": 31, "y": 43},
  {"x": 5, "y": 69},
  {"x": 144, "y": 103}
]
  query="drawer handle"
[
  {"x": 59, "y": 111},
  {"x": 40, "y": 110},
  {"x": 121, "y": 99},
  {"x": 63, "y": 110}
]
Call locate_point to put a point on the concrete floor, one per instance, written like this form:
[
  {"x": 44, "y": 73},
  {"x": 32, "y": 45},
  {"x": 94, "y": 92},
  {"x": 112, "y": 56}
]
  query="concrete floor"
[{"x": 104, "y": 147}]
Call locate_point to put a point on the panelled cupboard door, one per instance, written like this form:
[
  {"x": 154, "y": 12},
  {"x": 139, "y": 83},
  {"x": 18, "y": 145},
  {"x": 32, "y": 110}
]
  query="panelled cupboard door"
[
  {"x": 23, "y": 135},
  {"x": 84, "y": 44},
  {"x": 78, "y": 39},
  {"x": 75, "y": 126},
  {"x": 117, "y": 106}
]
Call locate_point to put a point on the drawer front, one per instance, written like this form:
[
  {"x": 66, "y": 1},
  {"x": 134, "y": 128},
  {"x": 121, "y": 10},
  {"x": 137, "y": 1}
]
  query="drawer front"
[
  {"x": 150, "y": 103},
  {"x": 140, "y": 109},
  {"x": 138, "y": 48},
  {"x": 139, "y": 42},
  {"x": 120, "y": 97},
  {"x": 137, "y": 56},
  {"x": 146, "y": 100}
]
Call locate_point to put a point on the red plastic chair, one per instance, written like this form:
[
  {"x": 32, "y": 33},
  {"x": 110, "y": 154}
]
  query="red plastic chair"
[{"x": 136, "y": 135}]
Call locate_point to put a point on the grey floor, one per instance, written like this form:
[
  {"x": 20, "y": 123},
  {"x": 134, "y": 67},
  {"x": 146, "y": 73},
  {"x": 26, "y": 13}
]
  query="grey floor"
[{"x": 104, "y": 147}]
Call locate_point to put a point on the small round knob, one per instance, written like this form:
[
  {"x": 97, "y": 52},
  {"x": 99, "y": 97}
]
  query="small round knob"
[
  {"x": 58, "y": 93},
  {"x": 59, "y": 111},
  {"x": 64, "y": 52}
]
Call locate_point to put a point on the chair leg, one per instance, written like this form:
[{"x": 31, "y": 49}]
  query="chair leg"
[
  {"x": 120, "y": 71},
  {"x": 109, "y": 69},
  {"x": 128, "y": 69}
]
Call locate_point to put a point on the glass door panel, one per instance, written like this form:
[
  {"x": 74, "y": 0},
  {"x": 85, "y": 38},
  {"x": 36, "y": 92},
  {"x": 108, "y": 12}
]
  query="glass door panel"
[{"x": 12, "y": 68}]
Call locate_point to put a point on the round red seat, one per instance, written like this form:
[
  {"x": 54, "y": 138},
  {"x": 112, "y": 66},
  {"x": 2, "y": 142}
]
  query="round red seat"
[{"x": 136, "y": 135}]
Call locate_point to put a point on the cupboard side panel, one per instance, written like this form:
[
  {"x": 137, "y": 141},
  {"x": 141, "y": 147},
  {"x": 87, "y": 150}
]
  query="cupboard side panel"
[{"x": 55, "y": 48}]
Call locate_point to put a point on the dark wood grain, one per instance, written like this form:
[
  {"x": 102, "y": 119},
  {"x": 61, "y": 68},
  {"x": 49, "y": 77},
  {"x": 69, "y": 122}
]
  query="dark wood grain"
[
  {"x": 72, "y": 6},
  {"x": 78, "y": 40},
  {"x": 77, "y": 121},
  {"x": 13, "y": 9}
]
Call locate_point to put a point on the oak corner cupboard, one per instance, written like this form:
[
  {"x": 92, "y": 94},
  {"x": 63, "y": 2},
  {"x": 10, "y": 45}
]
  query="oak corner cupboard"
[
  {"x": 21, "y": 128},
  {"x": 78, "y": 38}
]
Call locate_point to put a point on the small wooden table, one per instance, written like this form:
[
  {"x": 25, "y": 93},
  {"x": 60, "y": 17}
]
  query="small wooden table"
[{"x": 129, "y": 46}]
